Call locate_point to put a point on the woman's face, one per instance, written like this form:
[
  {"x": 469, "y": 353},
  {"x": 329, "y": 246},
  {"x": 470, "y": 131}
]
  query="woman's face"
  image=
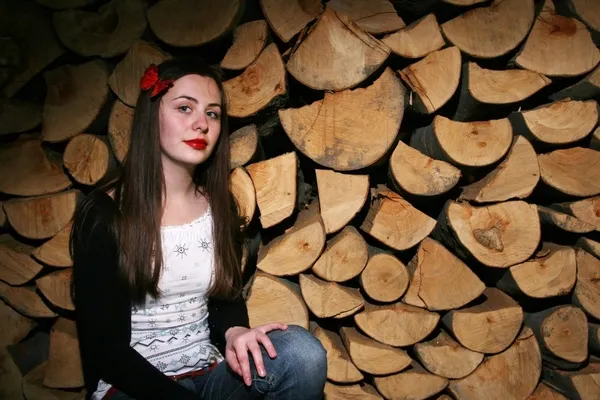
[{"x": 190, "y": 120}]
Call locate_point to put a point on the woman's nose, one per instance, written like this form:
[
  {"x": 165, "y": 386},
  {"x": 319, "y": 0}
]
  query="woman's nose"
[{"x": 200, "y": 123}]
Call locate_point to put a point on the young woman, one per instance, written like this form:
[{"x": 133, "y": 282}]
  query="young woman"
[{"x": 157, "y": 253}]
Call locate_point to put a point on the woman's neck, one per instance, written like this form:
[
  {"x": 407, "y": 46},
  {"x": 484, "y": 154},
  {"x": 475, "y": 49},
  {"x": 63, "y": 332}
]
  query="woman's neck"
[{"x": 179, "y": 185}]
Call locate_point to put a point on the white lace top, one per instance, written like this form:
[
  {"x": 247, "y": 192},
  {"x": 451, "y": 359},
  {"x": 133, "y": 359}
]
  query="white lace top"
[{"x": 172, "y": 332}]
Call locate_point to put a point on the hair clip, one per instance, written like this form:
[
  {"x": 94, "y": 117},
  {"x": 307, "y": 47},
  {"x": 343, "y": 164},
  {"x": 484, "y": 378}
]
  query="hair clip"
[{"x": 150, "y": 80}]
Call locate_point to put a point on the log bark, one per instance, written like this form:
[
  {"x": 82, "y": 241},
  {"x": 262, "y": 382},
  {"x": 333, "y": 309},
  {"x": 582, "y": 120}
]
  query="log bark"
[
  {"x": 11, "y": 379},
  {"x": 329, "y": 299},
  {"x": 345, "y": 256},
  {"x": 55, "y": 252},
  {"x": 289, "y": 18},
  {"x": 384, "y": 278},
  {"x": 580, "y": 385},
  {"x": 351, "y": 392},
  {"x": 417, "y": 39},
  {"x": 574, "y": 171},
  {"x": 587, "y": 210},
  {"x": 590, "y": 246},
  {"x": 415, "y": 383},
  {"x": 88, "y": 158},
  {"x": 249, "y": 40},
  {"x": 64, "y": 4},
  {"x": 567, "y": 223},
  {"x": 585, "y": 89},
  {"x": 243, "y": 146},
  {"x": 464, "y": 3},
  {"x": 587, "y": 291},
  {"x": 56, "y": 287},
  {"x": 544, "y": 392},
  {"x": 374, "y": 17},
  {"x": 339, "y": 365},
  {"x": 16, "y": 265},
  {"x": 25, "y": 300},
  {"x": 119, "y": 129},
  {"x": 595, "y": 140},
  {"x": 489, "y": 327},
  {"x": 34, "y": 388},
  {"x": 15, "y": 327},
  {"x": 18, "y": 115},
  {"x": 243, "y": 191},
  {"x": 63, "y": 369},
  {"x": 594, "y": 338}
]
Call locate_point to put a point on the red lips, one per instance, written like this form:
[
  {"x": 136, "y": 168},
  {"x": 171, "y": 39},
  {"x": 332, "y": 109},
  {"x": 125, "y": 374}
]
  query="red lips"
[{"x": 198, "y": 144}]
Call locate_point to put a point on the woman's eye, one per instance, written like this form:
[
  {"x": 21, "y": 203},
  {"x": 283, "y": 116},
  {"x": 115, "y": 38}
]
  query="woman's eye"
[
  {"x": 184, "y": 109},
  {"x": 213, "y": 115}
]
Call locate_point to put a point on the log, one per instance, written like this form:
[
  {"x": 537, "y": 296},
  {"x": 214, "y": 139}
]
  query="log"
[
  {"x": 587, "y": 291},
  {"x": 464, "y": 144},
  {"x": 433, "y": 79},
  {"x": 590, "y": 246},
  {"x": 249, "y": 40},
  {"x": 551, "y": 272},
  {"x": 298, "y": 248},
  {"x": 498, "y": 236},
  {"x": 439, "y": 279},
  {"x": 18, "y": 115},
  {"x": 351, "y": 392},
  {"x": 94, "y": 33},
  {"x": 25, "y": 300},
  {"x": 34, "y": 388},
  {"x": 587, "y": 210},
  {"x": 574, "y": 171},
  {"x": 417, "y": 39},
  {"x": 581, "y": 385},
  {"x": 10, "y": 54},
  {"x": 88, "y": 158},
  {"x": 384, "y": 278},
  {"x": 11, "y": 379},
  {"x": 562, "y": 333},
  {"x": 25, "y": 170},
  {"x": 512, "y": 374},
  {"x": 345, "y": 256},
  {"x": 125, "y": 78},
  {"x": 415, "y": 383},
  {"x": 15, "y": 327},
  {"x": 289, "y": 18},
  {"x": 274, "y": 299},
  {"x": 586, "y": 88},
  {"x": 16, "y": 265},
  {"x": 464, "y": 3},
  {"x": 339, "y": 365},
  {"x": 586, "y": 11},
  {"x": 275, "y": 183},
  {"x": 594, "y": 338},
  {"x": 595, "y": 140},
  {"x": 394, "y": 221},
  {"x": 396, "y": 324},
  {"x": 372, "y": 16},
  {"x": 258, "y": 86},
  {"x": 567, "y": 223},
  {"x": 76, "y": 95},
  {"x": 340, "y": 143},
  {"x": 119, "y": 129},
  {"x": 544, "y": 392},
  {"x": 42, "y": 217},
  {"x": 336, "y": 54},
  {"x": 560, "y": 123},
  {"x": 64, "y": 4},
  {"x": 492, "y": 31},
  {"x": 329, "y": 299},
  {"x": 56, "y": 252},
  {"x": 443, "y": 356},
  {"x": 484, "y": 91},
  {"x": 367, "y": 353},
  {"x": 514, "y": 178},
  {"x": 243, "y": 146},
  {"x": 242, "y": 189},
  {"x": 558, "y": 46},
  {"x": 63, "y": 369},
  {"x": 3, "y": 219},
  {"x": 56, "y": 287},
  {"x": 489, "y": 327},
  {"x": 421, "y": 175},
  {"x": 341, "y": 197}
]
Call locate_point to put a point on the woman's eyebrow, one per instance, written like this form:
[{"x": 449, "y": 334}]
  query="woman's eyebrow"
[{"x": 190, "y": 98}]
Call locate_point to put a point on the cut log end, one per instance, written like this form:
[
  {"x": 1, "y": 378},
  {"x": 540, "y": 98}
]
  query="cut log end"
[
  {"x": 340, "y": 367},
  {"x": 414, "y": 383},
  {"x": 418, "y": 39},
  {"x": 384, "y": 278},
  {"x": 329, "y": 299},
  {"x": 344, "y": 257},
  {"x": 249, "y": 39},
  {"x": 243, "y": 145},
  {"x": 574, "y": 171}
]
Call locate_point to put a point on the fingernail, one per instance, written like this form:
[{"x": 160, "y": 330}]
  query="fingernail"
[
  {"x": 261, "y": 372},
  {"x": 247, "y": 381}
]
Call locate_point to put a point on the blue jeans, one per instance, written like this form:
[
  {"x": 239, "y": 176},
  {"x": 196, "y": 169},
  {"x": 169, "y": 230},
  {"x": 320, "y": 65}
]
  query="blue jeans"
[{"x": 297, "y": 373}]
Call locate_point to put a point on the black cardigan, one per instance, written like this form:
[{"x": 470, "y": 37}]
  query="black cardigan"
[{"x": 103, "y": 311}]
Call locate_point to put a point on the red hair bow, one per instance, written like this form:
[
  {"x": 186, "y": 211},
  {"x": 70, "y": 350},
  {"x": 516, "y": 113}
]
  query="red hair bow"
[{"x": 150, "y": 80}]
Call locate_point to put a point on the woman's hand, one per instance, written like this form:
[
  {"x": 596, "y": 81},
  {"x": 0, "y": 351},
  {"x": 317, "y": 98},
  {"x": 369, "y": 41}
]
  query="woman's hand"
[{"x": 242, "y": 340}]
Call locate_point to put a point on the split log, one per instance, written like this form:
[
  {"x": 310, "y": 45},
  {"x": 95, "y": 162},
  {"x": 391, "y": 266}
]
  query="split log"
[
  {"x": 3, "y": 219},
  {"x": 16, "y": 265},
  {"x": 55, "y": 252},
  {"x": 582, "y": 384},
  {"x": 243, "y": 146},
  {"x": 560, "y": 123},
  {"x": 274, "y": 299},
  {"x": 394, "y": 221},
  {"x": 372, "y": 16},
  {"x": 421, "y": 175},
  {"x": 493, "y": 31},
  {"x": 551, "y": 272},
  {"x": 433, "y": 79},
  {"x": 464, "y": 144},
  {"x": 514, "y": 178},
  {"x": 17, "y": 115},
  {"x": 558, "y": 46},
  {"x": 367, "y": 354},
  {"x": 56, "y": 287},
  {"x": 595, "y": 140},
  {"x": 10, "y": 54},
  {"x": 586, "y": 11},
  {"x": 587, "y": 88},
  {"x": 486, "y": 90},
  {"x": 415, "y": 383},
  {"x": 243, "y": 191},
  {"x": 567, "y": 223},
  {"x": 587, "y": 210},
  {"x": 340, "y": 143},
  {"x": 335, "y": 54},
  {"x": 384, "y": 278},
  {"x": 396, "y": 324},
  {"x": 339, "y": 365},
  {"x": 329, "y": 299},
  {"x": 91, "y": 34},
  {"x": 443, "y": 356},
  {"x": 594, "y": 338},
  {"x": 88, "y": 158},
  {"x": 417, "y": 39},
  {"x": 275, "y": 183},
  {"x": 464, "y": 3},
  {"x": 488, "y": 327},
  {"x": 63, "y": 369},
  {"x": 587, "y": 290},
  {"x": 574, "y": 171},
  {"x": 439, "y": 279},
  {"x": 351, "y": 392},
  {"x": 289, "y": 18},
  {"x": 589, "y": 245},
  {"x": 125, "y": 78},
  {"x": 258, "y": 86},
  {"x": 345, "y": 256},
  {"x": 63, "y": 4},
  {"x": 42, "y": 217},
  {"x": 76, "y": 95},
  {"x": 119, "y": 129},
  {"x": 15, "y": 327},
  {"x": 544, "y": 392},
  {"x": 249, "y": 40},
  {"x": 298, "y": 248},
  {"x": 512, "y": 374},
  {"x": 341, "y": 197},
  {"x": 34, "y": 388},
  {"x": 11, "y": 386},
  {"x": 25, "y": 300},
  {"x": 562, "y": 333},
  {"x": 25, "y": 170},
  {"x": 499, "y": 236}
]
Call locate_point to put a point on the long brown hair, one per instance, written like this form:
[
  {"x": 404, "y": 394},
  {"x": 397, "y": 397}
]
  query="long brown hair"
[{"x": 139, "y": 189}]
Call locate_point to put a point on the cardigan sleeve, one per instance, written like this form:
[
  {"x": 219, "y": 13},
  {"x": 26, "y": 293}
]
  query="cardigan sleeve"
[
  {"x": 103, "y": 310},
  {"x": 224, "y": 314}
]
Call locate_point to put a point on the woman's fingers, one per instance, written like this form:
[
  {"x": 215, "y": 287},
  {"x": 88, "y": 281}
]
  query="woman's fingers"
[
  {"x": 271, "y": 327},
  {"x": 241, "y": 350},
  {"x": 232, "y": 361},
  {"x": 257, "y": 356},
  {"x": 267, "y": 344}
]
